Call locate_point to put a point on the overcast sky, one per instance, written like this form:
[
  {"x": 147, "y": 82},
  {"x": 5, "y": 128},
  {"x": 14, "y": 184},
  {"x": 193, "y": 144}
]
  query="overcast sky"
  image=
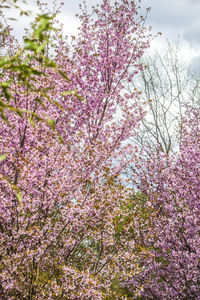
[
  {"x": 177, "y": 18},
  {"x": 174, "y": 18}
]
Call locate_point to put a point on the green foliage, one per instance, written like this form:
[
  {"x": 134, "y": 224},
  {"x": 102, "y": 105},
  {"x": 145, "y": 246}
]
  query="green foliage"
[
  {"x": 38, "y": 41},
  {"x": 20, "y": 64}
]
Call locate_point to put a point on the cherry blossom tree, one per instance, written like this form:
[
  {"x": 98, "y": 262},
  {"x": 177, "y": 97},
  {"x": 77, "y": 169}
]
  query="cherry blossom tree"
[
  {"x": 57, "y": 229},
  {"x": 171, "y": 269}
]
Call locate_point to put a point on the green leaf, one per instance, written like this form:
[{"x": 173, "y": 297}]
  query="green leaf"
[
  {"x": 19, "y": 112},
  {"x": 2, "y": 104},
  {"x": 3, "y": 157},
  {"x": 69, "y": 93},
  {"x": 61, "y": 139},
  {"x": 3, "y": 116},
  {"x": 41, "y": 47},
  {"x": 30, "y": 44},
  {"x": 51, "y": 122},
  {"x": 5, "y": 84},
  {"x": 12, "y": 19},
  {"x": 79, "y": 97},
  {"x": 3, "y": 62},
  {"x": 19, "y": 197},
  {"x": 31, "y": 122},
  {"x": 42, "y": 26},
  {"x": 50, "y": 63},
  {"x": 74, "y": 93},
  {"x": 64, "y": 76}
]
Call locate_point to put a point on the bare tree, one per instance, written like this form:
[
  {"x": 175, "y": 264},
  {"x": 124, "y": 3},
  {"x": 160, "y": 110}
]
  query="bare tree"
[{"x": 167, "y": 85}]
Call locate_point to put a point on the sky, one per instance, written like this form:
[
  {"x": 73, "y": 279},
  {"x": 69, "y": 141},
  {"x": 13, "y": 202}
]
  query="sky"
[{"x": 176, "y": 19}]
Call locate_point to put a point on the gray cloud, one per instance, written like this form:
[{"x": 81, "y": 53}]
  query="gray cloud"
[
  {"x": 175, "y": 18},
  {"x": 192, "y": 34},
  {"x": 195, "y": 64}
]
